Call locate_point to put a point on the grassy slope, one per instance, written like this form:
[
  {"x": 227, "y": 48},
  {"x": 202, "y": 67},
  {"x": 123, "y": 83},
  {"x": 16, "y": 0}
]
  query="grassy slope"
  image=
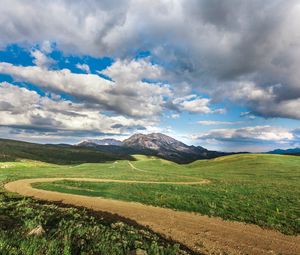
[
  {"x": 259, "y": 189},
  {"x": 11, "y": 150}
]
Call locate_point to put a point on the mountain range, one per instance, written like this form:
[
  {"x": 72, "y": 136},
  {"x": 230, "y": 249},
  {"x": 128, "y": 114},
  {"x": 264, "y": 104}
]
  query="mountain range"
[
  {"x": 96, "y": 142},
  {"x": 155, "y": 144},
  {"x": 293, "y": 151},
  {"x": 106, "y": 150}
]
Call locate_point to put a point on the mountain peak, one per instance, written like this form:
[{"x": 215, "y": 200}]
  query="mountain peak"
[
  {"x": 164, "y": 145},
  {"x": 152, "y": 136},
  {"x": 154, "y": 141},
  {"x": 157, "y": 144}
]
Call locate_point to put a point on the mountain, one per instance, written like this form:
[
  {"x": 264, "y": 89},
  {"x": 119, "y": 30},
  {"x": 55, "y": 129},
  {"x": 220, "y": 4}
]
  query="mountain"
[
  {"x": 159, "y": 142},
  {"x": 293, "y": 151},
  {"x": 155, "y": 144},
  {"x": 97, "y": 151},
  {"x": 95, "y": 142},
  {"x": 11, "y": 150},
  {"x": 169, "y": 148}
]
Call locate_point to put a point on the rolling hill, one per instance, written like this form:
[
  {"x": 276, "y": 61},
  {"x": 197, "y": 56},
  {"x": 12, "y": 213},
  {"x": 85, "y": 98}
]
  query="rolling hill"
[{"x": 11, "y": 150}]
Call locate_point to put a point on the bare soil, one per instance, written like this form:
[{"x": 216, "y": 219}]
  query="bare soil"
[{"x": 201, "y": 234}]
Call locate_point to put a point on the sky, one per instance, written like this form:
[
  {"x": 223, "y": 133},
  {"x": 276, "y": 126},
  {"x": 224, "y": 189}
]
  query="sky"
[{"x": 220, "y": 74}]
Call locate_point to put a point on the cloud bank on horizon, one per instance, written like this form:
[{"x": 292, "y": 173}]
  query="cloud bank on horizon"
[{"x": 223, "y": 74}]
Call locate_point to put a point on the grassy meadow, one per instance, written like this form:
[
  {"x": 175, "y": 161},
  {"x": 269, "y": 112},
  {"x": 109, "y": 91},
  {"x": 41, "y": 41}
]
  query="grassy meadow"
[
  {"x": 69, "y": 231},
  {"x": 258, "y": 189}
]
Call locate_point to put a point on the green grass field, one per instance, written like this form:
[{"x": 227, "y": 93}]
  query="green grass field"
[
  {"x": 259, "y": 189},
  {"x": 70, "y": 231}
]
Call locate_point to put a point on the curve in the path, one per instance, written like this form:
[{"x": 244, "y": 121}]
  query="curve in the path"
[
  {"x": 135, "y": 168},
  {"x": 200, "y": 233}
]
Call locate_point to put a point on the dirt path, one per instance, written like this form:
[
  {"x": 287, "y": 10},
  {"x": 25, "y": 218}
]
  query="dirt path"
[
  {"x": 173, "y": 175},
  {"x": 200, "y": 233},
  {"x": 135, "y": 168}
]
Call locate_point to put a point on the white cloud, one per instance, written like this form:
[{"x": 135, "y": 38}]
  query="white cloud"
[
  {"x": 262, "y": 101},
  {"x": 40, "y": 59},
  {"x": 196, "y": 39},
  {"x": 46, "y": 47},
  {"x": 74, "y": 26},
  {"x": 40, "y": 55},
  {"x": 25, "y": 109},
  {"x": 264, "y": 133},
  {"x": 218, "y": 48},
  {"x": 195, "y": 104},
  {"x": 83, "y": 67},
  {"x": 125, "y": 95},
  {"x": 127, "y": 71}
]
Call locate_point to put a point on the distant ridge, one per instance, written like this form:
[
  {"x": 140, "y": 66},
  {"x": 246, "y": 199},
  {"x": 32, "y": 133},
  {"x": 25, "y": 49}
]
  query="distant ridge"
[
  {"x": 292, "y": 151},
  {"x": 94, "y": 142}
]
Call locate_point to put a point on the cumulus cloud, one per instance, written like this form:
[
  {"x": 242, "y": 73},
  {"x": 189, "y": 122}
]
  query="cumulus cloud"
[
  {"x": 208, "y": 44},
  {"x": 251, "y": 134},
  {"x": 83, "y": 67},
  {"x": 265, "y": 102},
  {"x": 252, "y": 139},
  {"x": 247, "y": 52},
  {"x": 127, "y": 94},
  {"x": 25, "y": 109},
  {"x": 82, "y": 28},
  {"x": 40, "y": 59},
  {"x": 40, "y": 55},
  {"x": 127, "y": 71},
  {"x": 194, "y": 104}
]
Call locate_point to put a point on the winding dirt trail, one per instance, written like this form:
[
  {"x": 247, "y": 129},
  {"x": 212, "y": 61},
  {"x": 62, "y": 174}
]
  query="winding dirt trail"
[{"x": 200, "y": 233}]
